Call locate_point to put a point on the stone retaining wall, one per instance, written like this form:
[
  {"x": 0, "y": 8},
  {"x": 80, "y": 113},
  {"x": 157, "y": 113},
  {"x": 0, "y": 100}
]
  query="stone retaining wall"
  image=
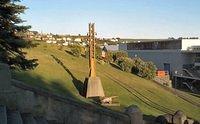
[{"x": 59, "y": 109}]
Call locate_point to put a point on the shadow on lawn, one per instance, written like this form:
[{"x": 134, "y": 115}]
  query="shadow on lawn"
[
  {"x": 77, "y": 83},
  {"x": 38, "y": 82},
  {"x": 69, "y": 52},
  {"x": 115, "y": 66},
  {"x": 57, "y": 87},
  {"x": 149, "y": 118}
]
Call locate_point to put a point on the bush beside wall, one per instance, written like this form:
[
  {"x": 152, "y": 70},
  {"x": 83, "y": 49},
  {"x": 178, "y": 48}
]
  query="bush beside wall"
[{"x": 137, "y": 66}]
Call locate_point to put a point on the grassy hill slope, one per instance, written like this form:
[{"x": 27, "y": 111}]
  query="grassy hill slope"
[{"x": 149, "y": 96}]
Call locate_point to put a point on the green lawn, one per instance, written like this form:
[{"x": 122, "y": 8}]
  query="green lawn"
[{"x": 150, "y": 97}]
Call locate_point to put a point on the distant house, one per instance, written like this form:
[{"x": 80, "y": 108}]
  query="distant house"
[
  {"x": 49, "y": 36},
  {"x": 59, "y": 39},
  {"x": 65, "y": 43},
  {"x": 104, "y": 51},
  {"x": 69, "y": 39},
  {"x": 83, "y": 43},
  {"x": 77, "y": 39},
  {"x": 105, "y": 48},
  {"x": 105, "y": 44},
  {"x": 114, "y": 40},
  {"x": 64, "y": 39},
  {"x": 48, "y": 41},
  {"x": 111, "y": 47},
  {"x": 54, "y": 41}
]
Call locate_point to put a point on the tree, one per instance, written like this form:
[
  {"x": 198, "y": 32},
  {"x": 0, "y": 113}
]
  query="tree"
[
  {"x": 119, "y": 54},
  {"x": 76, "y": 50},
  {"x": 143, "y": 69},
  {"x": 137, "y": 66},
  {"x": 98, "y": 52},
  {"x": 10, "y": 43},
  {"x": 125, "y": 64}
]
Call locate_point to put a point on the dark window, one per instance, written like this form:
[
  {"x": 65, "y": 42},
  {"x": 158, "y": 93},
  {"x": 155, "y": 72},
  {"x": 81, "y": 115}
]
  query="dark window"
[{"x": 155, "y": 45}]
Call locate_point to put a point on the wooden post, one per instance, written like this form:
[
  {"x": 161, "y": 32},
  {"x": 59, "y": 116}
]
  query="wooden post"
[
  {"x": 94, "y": 86},
  {"x": 92, "y": 50}
]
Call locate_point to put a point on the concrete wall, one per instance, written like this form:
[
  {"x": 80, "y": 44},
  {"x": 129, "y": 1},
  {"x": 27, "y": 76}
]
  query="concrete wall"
[
  {"x": 186, "y": 43},
  {"x": 175, "y": 58},
  {"x": 59, "y": 109},
  {"x": 123, "y": 46}
]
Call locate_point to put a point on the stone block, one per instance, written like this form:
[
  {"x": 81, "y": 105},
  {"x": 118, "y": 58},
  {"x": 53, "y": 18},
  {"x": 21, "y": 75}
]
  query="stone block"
[
  {"x": 41, "y": 120},
  {"x": 196, "y": 122},
  {"x": 189, "y": 121},
  {"x": 14, "y": 117},
  {"x": 28, "y": 119},
  {"x": 161, "y": 120},
  {"x": 135, "y": 114},
  {"x": 179, "y": 117},
  {"x": 106, "y": 120},
  {"x": 89, "y": 117},
  {"x": 3, "y": 115}
]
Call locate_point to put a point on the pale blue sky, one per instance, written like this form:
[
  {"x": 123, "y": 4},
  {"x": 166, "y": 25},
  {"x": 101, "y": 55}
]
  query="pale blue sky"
[{"x": 116, "y": 18}]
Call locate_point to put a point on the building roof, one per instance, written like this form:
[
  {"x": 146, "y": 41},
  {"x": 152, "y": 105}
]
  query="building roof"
[
  {"x": 104, "y": 49},
  {"x": 110, "y": 47},
  {"x": 146, "y": 40}
]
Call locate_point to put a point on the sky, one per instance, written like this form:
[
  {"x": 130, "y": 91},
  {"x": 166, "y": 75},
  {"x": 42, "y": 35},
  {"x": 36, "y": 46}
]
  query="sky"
[{"x": 115, "y": 18}]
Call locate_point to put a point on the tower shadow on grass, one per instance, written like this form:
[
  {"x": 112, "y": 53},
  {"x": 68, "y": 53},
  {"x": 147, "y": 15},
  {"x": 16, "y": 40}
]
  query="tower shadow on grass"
[{"x": 77, "y": 83}]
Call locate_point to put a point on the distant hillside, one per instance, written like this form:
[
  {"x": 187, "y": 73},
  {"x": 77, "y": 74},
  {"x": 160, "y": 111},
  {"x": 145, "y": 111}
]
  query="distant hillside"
[{"x": 152, "y": 98}]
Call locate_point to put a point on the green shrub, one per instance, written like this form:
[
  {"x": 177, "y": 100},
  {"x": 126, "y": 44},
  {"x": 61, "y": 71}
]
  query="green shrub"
[
  {"x": 87, "y": 53},
  {"x": 114, "y": 56},
  {"x": 151, "y": 70},
  {"x": 97, "y": 53},
  {"x": 125, "y": 64},
  {"x": 143, "y": 69},
  {"x": 76, "y": 50},
  {"x": 109, "y": 57},
  {"x": 137, "y": 66},
  {"x": 119, "y": 54}
]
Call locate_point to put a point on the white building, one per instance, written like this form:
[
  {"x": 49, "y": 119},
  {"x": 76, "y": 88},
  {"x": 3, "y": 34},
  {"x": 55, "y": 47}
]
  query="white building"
[
  {"x": 48, "y": 41},
  {"x": 64, "y": 39},
  {"x": 77, "y": 39},
  {"x": 59, "y": 39},
  {"x": 84, "y": 44},
  {"x": 114, "y": 40},
  {"x": 69, "y": 39},
  {"x": 54, "y": 41},
  {"x": 167, "y": 54},
  {"x": 110, "y": 47},
  {"x": 66, "y": 43}
]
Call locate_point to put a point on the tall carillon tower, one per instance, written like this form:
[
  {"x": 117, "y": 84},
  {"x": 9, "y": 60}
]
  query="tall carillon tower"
[{"x": 94, "y": 86}]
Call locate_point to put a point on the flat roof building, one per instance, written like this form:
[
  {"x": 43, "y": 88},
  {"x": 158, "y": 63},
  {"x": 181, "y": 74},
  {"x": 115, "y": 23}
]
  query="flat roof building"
[{"x": 172, "y": 55}]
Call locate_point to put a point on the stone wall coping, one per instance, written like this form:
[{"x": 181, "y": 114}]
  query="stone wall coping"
[{"x": 87, "y": 106}]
